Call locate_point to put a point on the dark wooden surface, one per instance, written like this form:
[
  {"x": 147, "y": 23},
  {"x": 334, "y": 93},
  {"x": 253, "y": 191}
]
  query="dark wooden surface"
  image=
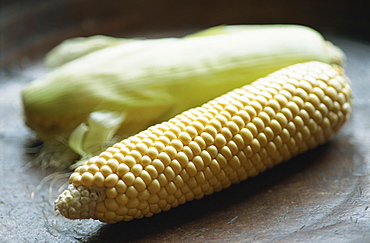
[{"x": 320, "y": 196}]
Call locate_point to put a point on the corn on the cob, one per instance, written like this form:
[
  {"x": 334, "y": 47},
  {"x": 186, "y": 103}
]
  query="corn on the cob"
[
  {"x": 150, "y": 81},
  {"x": 205, "y": 149}
]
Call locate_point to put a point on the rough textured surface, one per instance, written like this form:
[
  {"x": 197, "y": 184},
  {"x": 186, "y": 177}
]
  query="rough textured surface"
[{"x": 322, "y": 195}]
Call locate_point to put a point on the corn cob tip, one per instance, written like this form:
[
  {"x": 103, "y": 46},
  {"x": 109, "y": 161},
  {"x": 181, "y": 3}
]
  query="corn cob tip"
[{"x": 78, "y": 203}]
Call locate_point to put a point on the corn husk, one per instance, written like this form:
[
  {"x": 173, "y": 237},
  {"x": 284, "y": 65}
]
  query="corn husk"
[{"x": 141, "y": 82}]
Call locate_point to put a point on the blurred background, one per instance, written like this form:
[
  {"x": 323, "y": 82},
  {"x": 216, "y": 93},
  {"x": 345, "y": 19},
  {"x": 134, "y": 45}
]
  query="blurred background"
[
  {"x": 33, "y": 26},
  {"x": 321, "y": 196}
]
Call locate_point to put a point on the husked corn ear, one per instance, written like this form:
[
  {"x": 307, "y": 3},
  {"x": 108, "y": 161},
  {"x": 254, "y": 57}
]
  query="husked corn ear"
[{"x": 203, "y": 150}]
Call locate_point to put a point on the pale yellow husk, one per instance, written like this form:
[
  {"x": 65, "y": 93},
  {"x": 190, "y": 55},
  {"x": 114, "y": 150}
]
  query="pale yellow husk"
[{"x": 139, "y": 82}]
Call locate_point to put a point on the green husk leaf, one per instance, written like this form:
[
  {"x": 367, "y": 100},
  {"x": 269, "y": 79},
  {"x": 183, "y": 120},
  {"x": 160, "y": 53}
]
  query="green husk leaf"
[
  {"x": 74, "y": 48},
  {"x": 89, "y": 138},
  {"x": 77, "y": 47}
]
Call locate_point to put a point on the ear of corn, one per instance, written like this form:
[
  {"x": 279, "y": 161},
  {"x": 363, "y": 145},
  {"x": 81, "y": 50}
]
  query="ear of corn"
[
  {"x": 203, "y": 150},
  {"x": 151, "y": 80}
]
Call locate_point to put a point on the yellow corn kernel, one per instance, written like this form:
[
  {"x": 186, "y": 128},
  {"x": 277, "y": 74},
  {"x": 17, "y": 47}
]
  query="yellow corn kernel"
[{"x": 273, "y": 124}]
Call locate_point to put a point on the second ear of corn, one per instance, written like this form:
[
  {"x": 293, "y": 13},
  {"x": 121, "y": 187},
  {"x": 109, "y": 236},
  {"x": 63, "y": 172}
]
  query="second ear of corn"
[
  {"x": 203, "y": 150},
  {"x": 138, "y": 83}
]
